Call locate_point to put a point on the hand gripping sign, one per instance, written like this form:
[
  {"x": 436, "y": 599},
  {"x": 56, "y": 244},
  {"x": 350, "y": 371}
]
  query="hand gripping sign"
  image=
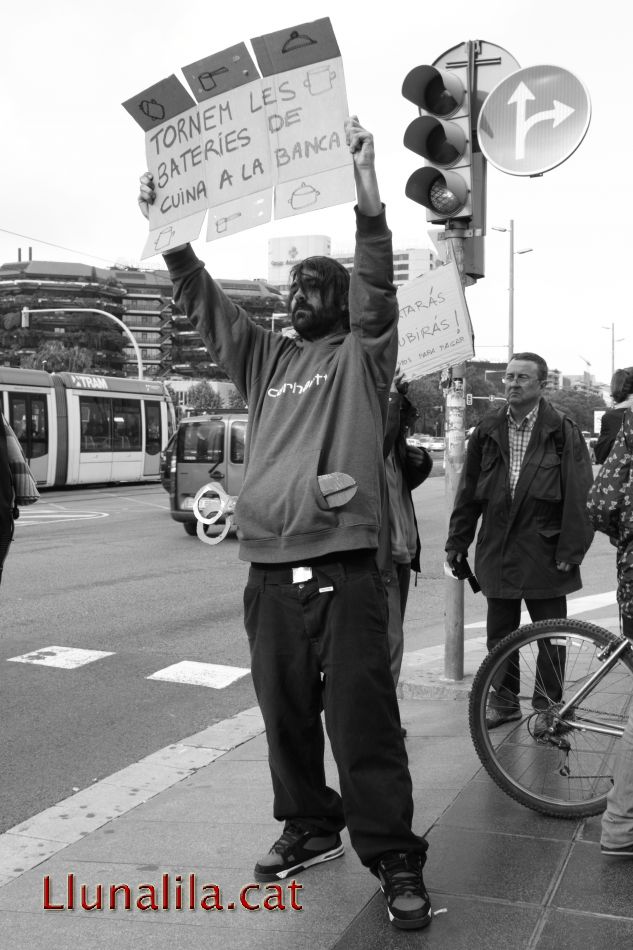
[{"x": 210, "y": 504}]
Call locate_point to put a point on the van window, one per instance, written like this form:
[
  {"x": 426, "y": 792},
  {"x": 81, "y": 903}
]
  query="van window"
[
  {"x": 238, "y": 434},
  {"x": 201, "y": 442}
]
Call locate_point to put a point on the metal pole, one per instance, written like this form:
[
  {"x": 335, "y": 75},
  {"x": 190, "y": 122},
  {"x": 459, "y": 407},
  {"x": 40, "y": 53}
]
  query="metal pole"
[
  {"x": 511, "y": 296},
  {"x": 104, "y": 313},
  {"x": 455, "y": 434}
]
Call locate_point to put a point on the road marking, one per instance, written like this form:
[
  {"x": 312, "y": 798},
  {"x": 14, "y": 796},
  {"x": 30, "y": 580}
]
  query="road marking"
[
  {"x": 64, "y": 658},
  {"x": 200, "y": 674},
  {"x": 575, "y": 606},
  {"x": 31, "y": 842},
  {"x": 56, "y": 515}
]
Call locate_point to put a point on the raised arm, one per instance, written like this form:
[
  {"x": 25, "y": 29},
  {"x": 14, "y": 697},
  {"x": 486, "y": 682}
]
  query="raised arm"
[{"x": 361, "y": 145}]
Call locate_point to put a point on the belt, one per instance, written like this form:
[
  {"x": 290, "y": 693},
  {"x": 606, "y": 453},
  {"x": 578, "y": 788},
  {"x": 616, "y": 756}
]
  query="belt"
[{"x": 294, "y": 572}]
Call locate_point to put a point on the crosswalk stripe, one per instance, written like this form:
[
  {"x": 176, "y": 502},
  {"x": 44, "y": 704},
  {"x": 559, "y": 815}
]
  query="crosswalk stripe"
[
  {"x": 200, "y": 674},
  {"x": 575, "y": 606},
  {"x": 64, "y": 658}
]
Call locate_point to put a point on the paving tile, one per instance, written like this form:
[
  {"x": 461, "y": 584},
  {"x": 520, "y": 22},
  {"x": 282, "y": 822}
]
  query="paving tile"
[
  {"x": 61, "y": 932},
  {"x": 567, "y": 931},
  {"x": 441, "y": 761},
  {"x": 467, "y": 924},
  {"x": 202, "y": 803},
  {"x": 482, "y": 806},
  {"x": 591, "y": 882},
  {"x": 479, "y": 864}
]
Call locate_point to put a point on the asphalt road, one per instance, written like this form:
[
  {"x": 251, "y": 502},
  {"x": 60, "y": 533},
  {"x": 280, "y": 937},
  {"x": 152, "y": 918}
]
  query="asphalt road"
[{"x": 108, "y": 570}]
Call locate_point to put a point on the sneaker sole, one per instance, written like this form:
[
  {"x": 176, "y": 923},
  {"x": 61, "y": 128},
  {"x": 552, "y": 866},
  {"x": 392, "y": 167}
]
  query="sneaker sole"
[
  {"x": 410, "y": 924},
  {"x": 319, "y": 859},
  {"x": 616, "y": 853}
]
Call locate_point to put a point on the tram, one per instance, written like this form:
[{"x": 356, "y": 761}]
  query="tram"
[{"x": 82, "y": 429}]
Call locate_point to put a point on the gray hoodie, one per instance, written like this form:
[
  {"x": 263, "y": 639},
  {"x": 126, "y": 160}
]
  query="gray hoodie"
[{"x": 315, "y": 407}]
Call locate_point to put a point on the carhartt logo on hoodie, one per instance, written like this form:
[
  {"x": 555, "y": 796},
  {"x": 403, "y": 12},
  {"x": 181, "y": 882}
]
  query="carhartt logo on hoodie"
[{"x": 297, "y": 388}]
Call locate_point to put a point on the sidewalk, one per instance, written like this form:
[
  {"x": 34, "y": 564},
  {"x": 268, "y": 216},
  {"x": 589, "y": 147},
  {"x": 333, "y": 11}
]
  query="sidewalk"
[{"x": 500, "y": 876}]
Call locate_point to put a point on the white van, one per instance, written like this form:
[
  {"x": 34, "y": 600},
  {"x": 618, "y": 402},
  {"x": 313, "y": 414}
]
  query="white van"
[{"x": 205, "y": 448}]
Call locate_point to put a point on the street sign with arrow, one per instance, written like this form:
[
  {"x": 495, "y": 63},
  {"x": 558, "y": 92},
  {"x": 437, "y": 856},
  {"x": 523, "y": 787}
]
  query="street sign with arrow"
[{"x": 533, "y": 120}]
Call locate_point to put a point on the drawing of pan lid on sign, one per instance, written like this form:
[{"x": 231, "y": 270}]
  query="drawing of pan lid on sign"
[{"x": 251, "y": 141}]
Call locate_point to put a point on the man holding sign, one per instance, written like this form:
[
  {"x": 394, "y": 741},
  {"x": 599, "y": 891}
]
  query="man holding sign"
[{"x": 308, "y": 521}]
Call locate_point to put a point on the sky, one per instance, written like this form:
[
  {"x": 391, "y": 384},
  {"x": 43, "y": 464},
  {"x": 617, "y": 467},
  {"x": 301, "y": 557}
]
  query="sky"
[{"x": 72, "y": 156}]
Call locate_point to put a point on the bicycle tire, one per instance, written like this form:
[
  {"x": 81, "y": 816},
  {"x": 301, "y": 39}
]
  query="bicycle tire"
[{"x": 549, "y": 778}]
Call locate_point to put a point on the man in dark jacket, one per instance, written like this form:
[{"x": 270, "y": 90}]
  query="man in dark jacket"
[
  {"x": 308, "y": 520},
  {"x": 527, "y": 473}
]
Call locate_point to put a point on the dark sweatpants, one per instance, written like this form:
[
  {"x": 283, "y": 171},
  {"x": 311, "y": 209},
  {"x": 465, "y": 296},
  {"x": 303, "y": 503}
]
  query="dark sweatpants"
[
  {"x": 314, "y": 649},
  {"x": 504, "y": 616}
]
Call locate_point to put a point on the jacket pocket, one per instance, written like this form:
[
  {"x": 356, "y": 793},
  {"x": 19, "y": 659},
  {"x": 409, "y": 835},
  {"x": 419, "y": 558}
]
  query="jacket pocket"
[
  {"x": 487, "y": 475},
  {"x": 546, "y": 485}
]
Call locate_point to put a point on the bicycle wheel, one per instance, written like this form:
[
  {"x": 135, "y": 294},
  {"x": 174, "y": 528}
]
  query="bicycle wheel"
[{"x": 568, "y": 772}]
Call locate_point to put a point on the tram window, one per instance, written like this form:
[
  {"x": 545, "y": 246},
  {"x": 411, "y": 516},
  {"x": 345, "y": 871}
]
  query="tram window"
[
  {"x": 95, "y": 424},
  {"x": 238, "y": 433},
  {"x": 127, "y": 425},
  {"x": 29, "y": 420},
  {"x": 39, "y": 427},
  {"x": 17, "y": 419},
  {"x": 152, "y": 428},
  {"x": 202, "y": 442}
]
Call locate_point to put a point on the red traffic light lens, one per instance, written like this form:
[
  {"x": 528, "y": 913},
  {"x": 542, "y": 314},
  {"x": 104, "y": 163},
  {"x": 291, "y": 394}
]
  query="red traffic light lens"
[{"x": 442, "y": 199}]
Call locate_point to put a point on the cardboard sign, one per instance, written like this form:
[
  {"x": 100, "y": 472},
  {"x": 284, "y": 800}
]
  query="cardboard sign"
[
  {"x": 434, "y": 328},
  {"x": 252, "y": 140}
]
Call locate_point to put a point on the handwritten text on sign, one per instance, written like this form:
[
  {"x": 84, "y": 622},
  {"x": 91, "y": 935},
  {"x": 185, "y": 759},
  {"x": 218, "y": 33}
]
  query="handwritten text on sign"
[{"x": 434, "y": 328}]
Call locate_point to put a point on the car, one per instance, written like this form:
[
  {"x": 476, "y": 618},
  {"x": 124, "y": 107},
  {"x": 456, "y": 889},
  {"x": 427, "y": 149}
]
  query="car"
[
  {"x": 437, "y": 444},
  {"x": 205, "y": 448}
]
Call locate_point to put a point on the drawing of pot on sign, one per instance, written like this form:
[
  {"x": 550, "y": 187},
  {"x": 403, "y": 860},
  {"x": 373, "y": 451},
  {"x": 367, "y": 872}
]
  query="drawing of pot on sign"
[
  {"x": 303, "y": 197},
  {"x": 222, "y": 224},
  {"x": 152, "y": 109},
  {"x": 319, "y": 80},
  {"x": 164, "y": 239}
]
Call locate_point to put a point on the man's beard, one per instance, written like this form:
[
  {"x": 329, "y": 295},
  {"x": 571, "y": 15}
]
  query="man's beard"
[{"x": 312, "y": 324}]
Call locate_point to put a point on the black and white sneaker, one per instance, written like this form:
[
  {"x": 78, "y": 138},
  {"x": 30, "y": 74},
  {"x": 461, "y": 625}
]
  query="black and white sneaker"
[
  {"x": 408, "y": 903},
  {"x": 295, "y": 850},
  {"x": 626, "y": 851}
]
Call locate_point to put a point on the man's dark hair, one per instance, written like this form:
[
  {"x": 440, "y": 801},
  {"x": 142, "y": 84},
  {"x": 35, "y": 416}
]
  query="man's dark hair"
[
  {"x": 541, "y": 365},
  {"x": 332, "y": 276},
  {"x": 622, "y": 384}
]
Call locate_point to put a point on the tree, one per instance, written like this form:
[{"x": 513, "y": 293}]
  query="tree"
[
  {"x": 578, "y": 406},
  {"x": 54, "y": 357},
  {"x": 202, "y": 397},
  {"x": 235, "y": 401}
]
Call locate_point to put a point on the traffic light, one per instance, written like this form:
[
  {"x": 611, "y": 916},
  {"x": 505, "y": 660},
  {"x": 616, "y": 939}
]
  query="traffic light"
[{"x": 451, "y": 185}]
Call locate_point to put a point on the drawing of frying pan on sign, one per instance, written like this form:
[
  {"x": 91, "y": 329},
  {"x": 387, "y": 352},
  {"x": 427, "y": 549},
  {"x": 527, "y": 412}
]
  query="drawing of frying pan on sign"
[
  {"x": 207, "y": 80},
  {"x": 303, "y": 197}
]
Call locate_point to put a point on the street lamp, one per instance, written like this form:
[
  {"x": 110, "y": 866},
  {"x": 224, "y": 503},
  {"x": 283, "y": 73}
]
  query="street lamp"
[
  {"x": 613, "y": 342},
  {"x": 525, "y": 250},
  {"x": 27, "y": 311}
]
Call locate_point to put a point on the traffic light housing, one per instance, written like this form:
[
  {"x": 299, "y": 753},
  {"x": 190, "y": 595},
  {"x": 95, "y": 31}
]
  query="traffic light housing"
[{"x": 451, "y": 185}]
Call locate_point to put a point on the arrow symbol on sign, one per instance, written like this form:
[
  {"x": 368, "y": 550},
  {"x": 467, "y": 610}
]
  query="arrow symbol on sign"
[{"x": 520, "y": 97}]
